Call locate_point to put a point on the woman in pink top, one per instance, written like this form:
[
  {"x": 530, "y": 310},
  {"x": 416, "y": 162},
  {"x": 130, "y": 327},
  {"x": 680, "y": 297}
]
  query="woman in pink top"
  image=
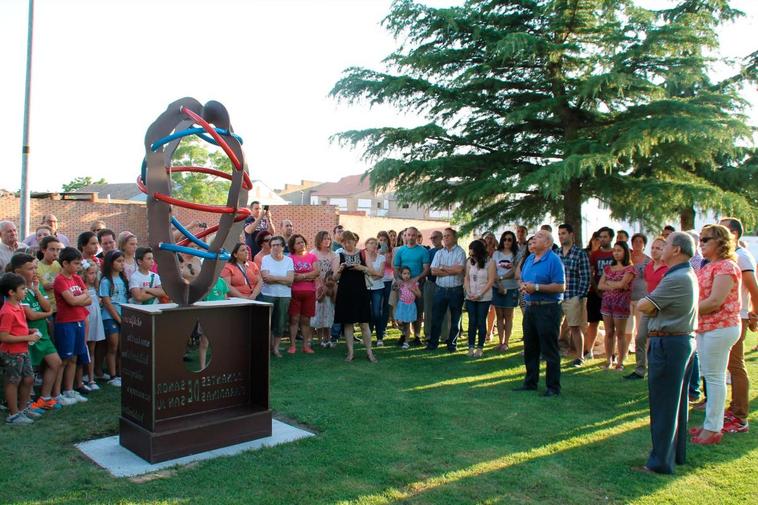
[
  {"x": 477, "y": 285},
  {"x": 718, "y": 324},
  {"x": 616, "y": 285},
  {"x": 303, "y": 302}
]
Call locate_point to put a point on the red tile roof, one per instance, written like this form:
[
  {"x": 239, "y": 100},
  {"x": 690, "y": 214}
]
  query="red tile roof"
[{"x": 350, "y": 185}]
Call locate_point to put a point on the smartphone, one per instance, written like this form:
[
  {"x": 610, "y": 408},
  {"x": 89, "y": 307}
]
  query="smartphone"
[{"x": 265, "y": 207}]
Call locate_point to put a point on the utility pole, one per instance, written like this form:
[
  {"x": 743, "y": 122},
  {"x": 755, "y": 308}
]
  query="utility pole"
[{"x": 24, "y": 193}]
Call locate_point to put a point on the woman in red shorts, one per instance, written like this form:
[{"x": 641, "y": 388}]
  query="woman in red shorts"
[
  {"x": 303, "y": 302},
  {"x": 616, "y": 285}
]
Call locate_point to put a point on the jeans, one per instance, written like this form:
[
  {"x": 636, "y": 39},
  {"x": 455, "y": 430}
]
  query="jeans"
[
  {"x": 386, "y": 307},
  {"x": 669, "y": 362},
  {"x": 477, "y": 322},
  {"x": 429, "y": 289},
  {"x": 541, "y": 325},
  {"x": 446, "y": 299},
  {"x": 694, "y": 378},
  {"x": 377, "y": 313},
  {"x": 713, "y": 348}
]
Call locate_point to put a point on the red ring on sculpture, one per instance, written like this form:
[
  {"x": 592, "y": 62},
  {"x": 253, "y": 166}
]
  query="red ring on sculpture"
[{"x": 212, "y": 132}]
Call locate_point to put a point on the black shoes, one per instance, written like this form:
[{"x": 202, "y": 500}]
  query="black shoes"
[
  {"x": 525, "y": 388},
  {"x": 633, "y": 376},
  {"x": 551, "y": 392}
]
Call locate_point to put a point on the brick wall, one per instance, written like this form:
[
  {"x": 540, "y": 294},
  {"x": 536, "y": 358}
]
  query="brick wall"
[{"x": 75, "y": 217}]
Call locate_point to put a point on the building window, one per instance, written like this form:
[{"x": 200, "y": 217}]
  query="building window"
[
  {"x": 378, "y": 205},
  {"x": 340, "y": 203},
  {"x": 364, "y": 203},
  {"x": 405, "y": 206}
]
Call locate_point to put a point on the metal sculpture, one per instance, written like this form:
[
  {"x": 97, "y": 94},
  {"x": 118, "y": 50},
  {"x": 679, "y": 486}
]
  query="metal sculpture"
[{"x": 182, "y": 118}]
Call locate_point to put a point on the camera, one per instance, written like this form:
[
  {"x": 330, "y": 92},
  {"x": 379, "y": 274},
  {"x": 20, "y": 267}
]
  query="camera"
[{"x": 265, "y": 207}]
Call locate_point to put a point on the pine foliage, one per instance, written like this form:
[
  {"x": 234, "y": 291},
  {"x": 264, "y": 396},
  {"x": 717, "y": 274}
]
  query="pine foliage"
[{"x": 535, "y": 106}]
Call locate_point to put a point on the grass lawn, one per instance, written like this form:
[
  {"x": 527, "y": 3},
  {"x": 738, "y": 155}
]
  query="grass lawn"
[{"x": 415, "y": 428}]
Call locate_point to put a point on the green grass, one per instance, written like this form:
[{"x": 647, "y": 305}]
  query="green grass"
[{"x": 415, "y": 428}]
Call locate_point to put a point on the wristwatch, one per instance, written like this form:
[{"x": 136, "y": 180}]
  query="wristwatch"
[{"x": 537, "y": 288}]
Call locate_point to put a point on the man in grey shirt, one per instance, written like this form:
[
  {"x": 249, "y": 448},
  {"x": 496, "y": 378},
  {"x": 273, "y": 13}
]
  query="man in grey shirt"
[{"x": 672, "y": 312}]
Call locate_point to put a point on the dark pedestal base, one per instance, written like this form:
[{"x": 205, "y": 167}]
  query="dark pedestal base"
[{"x": 175, "y": 438}]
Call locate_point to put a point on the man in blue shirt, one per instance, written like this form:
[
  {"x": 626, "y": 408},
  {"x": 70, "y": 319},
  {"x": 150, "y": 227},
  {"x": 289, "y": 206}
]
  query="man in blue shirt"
[
  {"x": 543, "y": 282},
  {"x": 416, "y": 258}
]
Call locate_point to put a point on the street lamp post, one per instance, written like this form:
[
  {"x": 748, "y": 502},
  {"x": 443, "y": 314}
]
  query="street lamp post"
[{"x": 24, "y": 193}]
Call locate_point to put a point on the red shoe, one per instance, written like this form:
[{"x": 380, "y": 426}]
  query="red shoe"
[
  {"x": 736, "y": 425},
  {"x": 696, "y": 431},
  {"x": 292, "y": 349},
  {"x": 39, "y": 403},
  {"x": 708, "y": 440},
  {"x": 308, "y": 350}
]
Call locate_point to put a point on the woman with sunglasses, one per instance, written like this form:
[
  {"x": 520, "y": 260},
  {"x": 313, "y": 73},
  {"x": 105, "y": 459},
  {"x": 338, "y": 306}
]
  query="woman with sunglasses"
[
  {"x": 718, "y": 324},
  {"x": 505, "y": 290}
]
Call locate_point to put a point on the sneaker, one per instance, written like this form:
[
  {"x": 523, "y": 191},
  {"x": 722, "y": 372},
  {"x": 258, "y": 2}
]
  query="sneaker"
[
  {"x": 93, "y": 386},
  {"x": 589, "y": 355},
  {"x": 416, "y": 342},
  {"x": 37, "y": 379},
  {"x": 105, "y": 377},
  {"x": 33, "y": 413},
  {"x": 736, "y": 425},
  {"x": 65, "y": 401},
  {"x": 18, "y": 419},
  {"x": 405, "y": 345},
  {"x": 85, "y": 378},
  {"x": 324, "y": 344},
  {"x": 478, "y": 353},
  {"x": 41, "y": 403},
  {"x": 402, "y": 342},
  {"x": 84, "y": 389},
  {"x": 470, "y": 352},
  {"x": 74, "y": 395},
  {"x": 116, "y": 381},
  {"x": 577, "y": 363},
  {"x": 380, "y": 343}
]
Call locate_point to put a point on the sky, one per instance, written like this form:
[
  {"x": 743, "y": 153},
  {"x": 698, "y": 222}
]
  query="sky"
[{"x": 104, "y": 70}]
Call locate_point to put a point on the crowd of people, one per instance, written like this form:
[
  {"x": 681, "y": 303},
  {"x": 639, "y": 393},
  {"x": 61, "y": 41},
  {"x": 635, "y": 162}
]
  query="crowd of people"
[{"x": 61, "y": 314}]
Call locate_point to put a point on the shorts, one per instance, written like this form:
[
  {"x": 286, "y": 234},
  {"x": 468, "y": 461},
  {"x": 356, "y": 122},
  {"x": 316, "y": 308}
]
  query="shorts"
[
  {"x": 15, "y": 366},
  {"x": 508, "y": 300},
  {"x": 111, "y": 327},
  {"x": 575, "y": 310},
  {"x": 279, "y": 314},
  {"x": 302, "y": 303},
  {"x": 593, "y": 307},
  {"x": 69, "y": 339},
  {"x": 43, "y": 347}
]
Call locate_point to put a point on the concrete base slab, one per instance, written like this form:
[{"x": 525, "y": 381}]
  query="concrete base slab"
[{"x": 121, "y": 462}]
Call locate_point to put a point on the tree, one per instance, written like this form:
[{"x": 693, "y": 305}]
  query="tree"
[
  {"x": 80, "y": 182},
  {"x": 196, "y": 187},
  {"x": 535, "y": 106}
]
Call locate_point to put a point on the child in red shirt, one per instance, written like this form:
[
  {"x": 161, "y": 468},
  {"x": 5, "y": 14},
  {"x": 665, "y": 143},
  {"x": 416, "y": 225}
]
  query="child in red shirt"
[
  {"x": 72, "y": 300},
  {"x": 14, "y": 350}
]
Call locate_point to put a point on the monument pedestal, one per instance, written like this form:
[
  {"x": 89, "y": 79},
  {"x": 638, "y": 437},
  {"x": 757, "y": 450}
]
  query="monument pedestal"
[{"x": 170, "y": 405}]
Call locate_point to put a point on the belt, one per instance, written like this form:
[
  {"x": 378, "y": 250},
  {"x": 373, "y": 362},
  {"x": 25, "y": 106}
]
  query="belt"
[
  {"x": 454, "y": 287},
  {"x": 542, "y": 302},
  {"x": 668, "y": 334}
]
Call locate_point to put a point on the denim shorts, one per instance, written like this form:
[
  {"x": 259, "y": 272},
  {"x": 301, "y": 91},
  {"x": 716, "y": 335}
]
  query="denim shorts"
[{"x": 111, "y": 327}]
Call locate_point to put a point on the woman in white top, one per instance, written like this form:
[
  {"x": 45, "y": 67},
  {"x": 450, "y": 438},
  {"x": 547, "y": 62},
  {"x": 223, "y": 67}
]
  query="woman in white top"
[
  {"x": 505, "y": 290},
  {"x": 477, "y": 286},
  {"x": 375, "y": 273},
  {"x": 328, "y": 263},
  {"x": 278, "y": 273}
]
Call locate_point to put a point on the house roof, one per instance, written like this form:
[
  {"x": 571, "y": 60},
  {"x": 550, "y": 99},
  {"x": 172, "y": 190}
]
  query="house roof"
[
  {"x": 117, "y": 191},
  {"x": 347, "y": 186}
]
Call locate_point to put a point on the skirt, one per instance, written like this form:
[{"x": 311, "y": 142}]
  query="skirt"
[{"x": 405, "y": 312}]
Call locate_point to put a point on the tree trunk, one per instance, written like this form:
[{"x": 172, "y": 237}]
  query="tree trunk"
[
  {"x": 687, "y": 219},
  {"x": 572, "y": 208}
]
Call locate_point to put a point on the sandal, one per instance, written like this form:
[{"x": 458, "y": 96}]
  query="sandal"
[
  {"x": 372, "y": 358},
  {"x": 349, "y": 358}
]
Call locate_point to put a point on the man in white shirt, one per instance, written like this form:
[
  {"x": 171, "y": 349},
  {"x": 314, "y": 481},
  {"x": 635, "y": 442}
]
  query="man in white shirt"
[
  {"x": 8, "y": 243},
  {"x": 736, "y": 415},
  {"x": 448, "y": 266}
]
